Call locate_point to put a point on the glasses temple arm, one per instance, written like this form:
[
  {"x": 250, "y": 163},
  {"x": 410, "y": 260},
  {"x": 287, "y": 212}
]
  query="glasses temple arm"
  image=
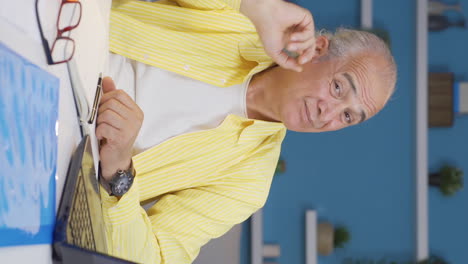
[{"x": 81, "y": 102}]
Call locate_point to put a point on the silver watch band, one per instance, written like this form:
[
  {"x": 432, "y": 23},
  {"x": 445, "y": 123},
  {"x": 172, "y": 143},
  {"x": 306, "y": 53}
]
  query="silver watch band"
[{"x": 120, "y": 183}]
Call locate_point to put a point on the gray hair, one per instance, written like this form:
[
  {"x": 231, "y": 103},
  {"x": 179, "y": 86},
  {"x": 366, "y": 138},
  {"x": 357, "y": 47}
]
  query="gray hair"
[{"x": 349, "y": 44}]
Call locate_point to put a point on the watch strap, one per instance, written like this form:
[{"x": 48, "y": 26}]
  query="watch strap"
[{"x": 108, "y": 185}]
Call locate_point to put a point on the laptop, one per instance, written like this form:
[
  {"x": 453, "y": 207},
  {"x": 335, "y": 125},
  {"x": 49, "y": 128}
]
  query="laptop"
[{"x": 79, "y": 235}]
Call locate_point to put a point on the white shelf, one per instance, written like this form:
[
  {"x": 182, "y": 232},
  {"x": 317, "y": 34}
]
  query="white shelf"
[
  {"x": 256, "y": 238},
  {"x": 366, "y": 13},
  {"x": 311, "y": 237},
  {"x": 422, "y": 222}
]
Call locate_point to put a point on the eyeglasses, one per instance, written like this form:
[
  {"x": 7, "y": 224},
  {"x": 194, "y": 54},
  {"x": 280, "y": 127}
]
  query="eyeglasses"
[{"x": 63, "y": 47}]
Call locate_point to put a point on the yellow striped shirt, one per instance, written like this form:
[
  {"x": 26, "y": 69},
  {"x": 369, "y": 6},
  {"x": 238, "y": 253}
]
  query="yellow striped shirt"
[
  {"x": 206, "y": 181},
  {"x": 220, "y": 44}
]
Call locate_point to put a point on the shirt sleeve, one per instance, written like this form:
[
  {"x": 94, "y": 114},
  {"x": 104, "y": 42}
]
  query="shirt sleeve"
[
  {"x": 180, "y": 223},
  {"x": 128, "y": 230},
  {"x": 186, "y": 220},
  {"x": 210, "y": 4}
]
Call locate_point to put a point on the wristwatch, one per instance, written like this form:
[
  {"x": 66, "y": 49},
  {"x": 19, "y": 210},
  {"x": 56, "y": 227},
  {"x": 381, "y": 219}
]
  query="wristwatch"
[{"x": 120, "y": 183}]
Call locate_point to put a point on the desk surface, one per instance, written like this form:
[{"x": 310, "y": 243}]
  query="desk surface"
[{"x": 19, "y": 31}]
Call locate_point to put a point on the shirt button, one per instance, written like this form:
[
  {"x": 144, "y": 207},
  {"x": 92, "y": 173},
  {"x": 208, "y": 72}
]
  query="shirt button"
[
  {"x": 223, "y": 81},
  {"x": 186, "y": 67}
]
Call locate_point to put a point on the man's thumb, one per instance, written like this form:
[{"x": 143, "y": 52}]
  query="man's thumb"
[{"x": 108, "y": 84}]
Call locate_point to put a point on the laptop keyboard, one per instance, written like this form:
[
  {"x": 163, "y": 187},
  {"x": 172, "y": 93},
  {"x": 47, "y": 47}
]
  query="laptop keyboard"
[{"x": 81, "y": 230}]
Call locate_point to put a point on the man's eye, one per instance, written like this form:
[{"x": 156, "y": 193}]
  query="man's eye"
[
  {"x": 338, "y": 90},
  {"x": 348, "y": 118}
]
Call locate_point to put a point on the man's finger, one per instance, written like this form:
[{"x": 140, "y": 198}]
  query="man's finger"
[
  {"x": 307, "y": 22},
  {"x": 301, "y": 36},
  {"x": 299, "y": 47},
  {"x": 287, "y": 62},
  {"x": 108, "y": 84},
  {"x": 121, "y": 96},
  {"x": 116, "y": 106},
  {"x": 108, "y": 132},
  {"x": 111, "y": 118},
  {"x": 307, "y": 55}
]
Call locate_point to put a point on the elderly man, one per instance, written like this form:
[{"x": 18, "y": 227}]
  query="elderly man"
[{"x": 206, "y": 153}]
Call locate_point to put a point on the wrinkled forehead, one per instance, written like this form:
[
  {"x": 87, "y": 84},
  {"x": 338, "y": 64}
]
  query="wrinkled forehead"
[{"x": 371, "y": 85}]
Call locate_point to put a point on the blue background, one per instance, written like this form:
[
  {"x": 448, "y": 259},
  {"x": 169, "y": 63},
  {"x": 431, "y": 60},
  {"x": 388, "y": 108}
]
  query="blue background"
[{"x": 364, "y": 177}]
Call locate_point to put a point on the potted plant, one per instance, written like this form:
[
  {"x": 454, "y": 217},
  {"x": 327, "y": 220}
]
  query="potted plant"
[
  {"x": 280, "y": 166},
  {"x": 329, "y": 238},
  {"x": 449, "y": 180},
  {"x": 341, "y": 237}
]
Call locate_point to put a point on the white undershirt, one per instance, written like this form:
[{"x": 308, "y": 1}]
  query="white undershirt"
[{"x": 173, "y": 104}]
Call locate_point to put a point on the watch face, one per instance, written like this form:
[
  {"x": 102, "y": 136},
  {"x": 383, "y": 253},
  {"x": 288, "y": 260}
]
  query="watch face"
[{"x": 121, "y": 183}]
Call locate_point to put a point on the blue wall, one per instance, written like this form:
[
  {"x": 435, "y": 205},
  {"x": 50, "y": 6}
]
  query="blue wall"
[
  {"x": 448, "y": 233},
  {"x": 360, "y": 177},
  {"x": 363, "y": 177}
]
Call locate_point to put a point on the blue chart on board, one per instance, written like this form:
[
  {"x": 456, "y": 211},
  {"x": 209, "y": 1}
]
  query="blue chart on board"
[{"x": 28, "y": 150}]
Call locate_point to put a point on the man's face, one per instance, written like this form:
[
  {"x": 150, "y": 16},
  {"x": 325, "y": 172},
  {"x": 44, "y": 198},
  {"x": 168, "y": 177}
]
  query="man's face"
[{"x": 331, "y": 95}]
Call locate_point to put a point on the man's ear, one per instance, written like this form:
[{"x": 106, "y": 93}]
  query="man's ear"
[{"x": 321, "y": 47}]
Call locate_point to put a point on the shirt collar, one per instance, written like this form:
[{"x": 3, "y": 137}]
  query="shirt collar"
[{"x": 253, "y": 130}]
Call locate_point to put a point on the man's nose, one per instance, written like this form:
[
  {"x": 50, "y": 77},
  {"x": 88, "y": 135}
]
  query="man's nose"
[{"x": 328, "y": 110}]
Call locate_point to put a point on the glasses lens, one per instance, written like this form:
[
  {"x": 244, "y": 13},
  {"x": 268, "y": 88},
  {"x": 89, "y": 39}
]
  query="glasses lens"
[
  {"x": 69, "y": 15},
  {"x": 63, "y": 49}
]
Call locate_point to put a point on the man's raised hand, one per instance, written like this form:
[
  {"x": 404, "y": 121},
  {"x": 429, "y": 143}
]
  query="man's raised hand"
[{"x": 282, "y": 25}]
